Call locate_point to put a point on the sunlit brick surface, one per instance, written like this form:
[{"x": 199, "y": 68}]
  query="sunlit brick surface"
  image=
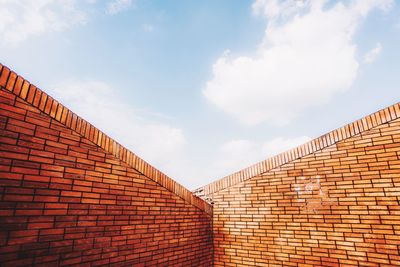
[
  {"x": 72, "y": 196},
  {"x": 336, "y": 207},
  {"x": 65, "y": 201}
]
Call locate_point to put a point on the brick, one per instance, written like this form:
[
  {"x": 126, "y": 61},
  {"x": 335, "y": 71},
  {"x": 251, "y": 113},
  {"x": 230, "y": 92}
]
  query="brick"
[
  {"x": 17, "y": 198},
  {"x": 22, "y": 240},
  {"x": 18, "y": 85},
  {"x": 24, "y": 170},
  {"x": 4, "y": 76},
  {"x": 11, "y": 81},
  {"x": 24, "y": 90},
  {"x": 40, "y": 225}
]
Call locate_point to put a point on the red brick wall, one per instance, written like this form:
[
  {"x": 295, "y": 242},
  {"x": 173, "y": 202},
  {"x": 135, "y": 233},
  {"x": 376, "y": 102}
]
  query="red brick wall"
[
  {"x": 338, "y": 206},
  {"x": 64, "y": 200}
]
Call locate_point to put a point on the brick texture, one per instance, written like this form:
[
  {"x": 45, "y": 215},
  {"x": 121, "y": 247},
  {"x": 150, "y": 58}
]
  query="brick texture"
[
  {"x": 338, "y": 205},
  {"x": 71, "y": 196}
]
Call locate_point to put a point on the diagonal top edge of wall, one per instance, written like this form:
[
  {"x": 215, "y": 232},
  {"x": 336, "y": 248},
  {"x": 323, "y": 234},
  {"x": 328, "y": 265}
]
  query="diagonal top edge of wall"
[
  {"x": 45, "y": 103},
  {"x": 366, "y": 123}
]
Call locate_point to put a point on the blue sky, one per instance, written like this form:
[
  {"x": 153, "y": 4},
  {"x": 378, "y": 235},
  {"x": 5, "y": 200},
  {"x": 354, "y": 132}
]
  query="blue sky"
[{"x": 201, "y": 89}]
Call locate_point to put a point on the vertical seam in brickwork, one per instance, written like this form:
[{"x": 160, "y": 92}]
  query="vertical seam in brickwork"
[{"x": 212, "y": 241}]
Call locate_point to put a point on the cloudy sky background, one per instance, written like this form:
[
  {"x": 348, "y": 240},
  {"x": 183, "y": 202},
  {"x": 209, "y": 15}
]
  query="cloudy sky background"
[{"x": 201, "y": 89}]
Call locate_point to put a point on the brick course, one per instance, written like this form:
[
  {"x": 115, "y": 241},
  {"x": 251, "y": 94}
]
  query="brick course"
[{"x": 71, "y": 196}]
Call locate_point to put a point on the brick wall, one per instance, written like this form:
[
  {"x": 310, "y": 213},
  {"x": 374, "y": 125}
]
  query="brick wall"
[
  {"x": 337, "y": 204},
  {"x": 71, "y": 196}
]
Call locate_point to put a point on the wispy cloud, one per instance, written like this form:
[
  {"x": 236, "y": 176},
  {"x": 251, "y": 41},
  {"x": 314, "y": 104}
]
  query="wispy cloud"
[
  {"x": 154, "y": 140},
  {"x": 307, "y": 56},
  {"x": 280, "y": 144},
  {"x": 237, "y": 154},
  {"x": 373, "y": 54},
  {"x": 22, "y": 19},
  {"x": 117, "y": 6}
]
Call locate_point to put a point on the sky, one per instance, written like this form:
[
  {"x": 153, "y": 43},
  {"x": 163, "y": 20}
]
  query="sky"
[{"x": 202, "y": 89}]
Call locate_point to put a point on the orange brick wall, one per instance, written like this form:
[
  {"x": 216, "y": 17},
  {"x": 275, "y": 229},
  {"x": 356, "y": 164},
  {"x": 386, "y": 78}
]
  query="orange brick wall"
[
  {"x": 338, "y": 206},
  {"x": 72, "y": 196},
  {"x": 65, "y": 201}
]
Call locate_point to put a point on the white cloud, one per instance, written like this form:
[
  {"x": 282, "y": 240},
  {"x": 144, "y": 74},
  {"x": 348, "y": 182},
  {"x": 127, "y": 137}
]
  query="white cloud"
[
  {"x": 237, "y": 154},
  {"x": 22, "y": 19},
  {"x": 280, "y": 144},
  {"x": 372, "y": 54},
  {"x": 117, "y": 6},
  {"x": 307, "y": 56},
  {"x": 154, "y": 141}
]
